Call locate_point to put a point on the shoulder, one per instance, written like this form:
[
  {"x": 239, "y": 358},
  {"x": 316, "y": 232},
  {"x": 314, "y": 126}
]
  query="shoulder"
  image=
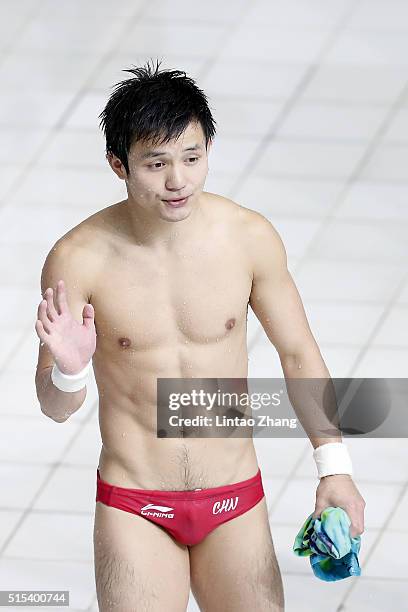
[
  {"x": 256, "y": 230},
  {"x": 260, "y": 241},
  {"x": 92, "y": 237},
  {"x": 225, "y": 209},
  {"x": 81, "y": 253}
]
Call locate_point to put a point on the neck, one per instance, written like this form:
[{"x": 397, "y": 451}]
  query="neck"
[{"x": 153, "y": 231}]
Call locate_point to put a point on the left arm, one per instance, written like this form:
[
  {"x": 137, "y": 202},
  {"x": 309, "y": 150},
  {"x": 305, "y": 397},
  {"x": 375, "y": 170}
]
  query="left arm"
[{"x": 276, "y": 303}]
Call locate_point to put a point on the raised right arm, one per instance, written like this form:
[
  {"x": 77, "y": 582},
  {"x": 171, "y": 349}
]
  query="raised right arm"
[{"x": 63, "y": 262}]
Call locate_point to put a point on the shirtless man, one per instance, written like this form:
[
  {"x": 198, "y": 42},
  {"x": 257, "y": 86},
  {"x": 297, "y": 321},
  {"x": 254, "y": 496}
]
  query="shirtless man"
[{"x": 147, "y": 290}]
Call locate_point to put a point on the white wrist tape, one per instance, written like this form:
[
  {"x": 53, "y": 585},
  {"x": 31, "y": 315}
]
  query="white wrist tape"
[
  {"x": 332, "y": 458},
  {"x": 70, "y": 382}
]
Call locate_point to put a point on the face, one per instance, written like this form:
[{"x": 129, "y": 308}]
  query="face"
[{"x": 166, "y": 172}]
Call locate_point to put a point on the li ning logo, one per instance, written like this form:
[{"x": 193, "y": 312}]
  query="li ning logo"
[
  {"x": 226, "y": 505},
  {"x": 158, "y": 511}
]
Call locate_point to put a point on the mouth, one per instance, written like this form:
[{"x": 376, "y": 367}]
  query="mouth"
[{"x": 176, "y": 203}]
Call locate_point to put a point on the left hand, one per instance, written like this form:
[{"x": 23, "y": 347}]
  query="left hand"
[{"x": 340, "y": 490}]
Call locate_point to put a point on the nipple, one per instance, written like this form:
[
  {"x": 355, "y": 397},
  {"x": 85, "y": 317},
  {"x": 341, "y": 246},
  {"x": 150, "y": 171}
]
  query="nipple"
[
  {"x": 230, "y": 323},
  {"x": 125, "y": 342}
]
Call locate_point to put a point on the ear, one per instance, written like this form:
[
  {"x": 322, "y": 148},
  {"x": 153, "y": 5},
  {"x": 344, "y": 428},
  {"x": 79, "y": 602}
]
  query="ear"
[{"x": 116, "y": 165}]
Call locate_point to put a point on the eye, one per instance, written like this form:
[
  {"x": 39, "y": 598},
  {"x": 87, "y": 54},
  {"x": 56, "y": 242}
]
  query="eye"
[{"x": 160, "y": 163}]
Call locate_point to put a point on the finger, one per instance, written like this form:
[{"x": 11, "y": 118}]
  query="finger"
[
  {"x": 41, "y": 333},
  {"x": 317, "y": 512},
  {"x": 43, "y": 305},
  {"x": 51, "y": 312},
  {"x": 357, "y": 522},
  {"x": 62, "y": 297},
  {"x": 356, "y": 529},
  {"x": 355, "y": 532},
  {"x": 88, "y": 315},
  {"x": 39, "y": 308},
  {"x": 43, "y": 316}
]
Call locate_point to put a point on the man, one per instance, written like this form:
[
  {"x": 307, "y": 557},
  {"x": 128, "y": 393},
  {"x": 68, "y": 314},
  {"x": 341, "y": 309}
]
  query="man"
[{"x": 150, "y": 288}]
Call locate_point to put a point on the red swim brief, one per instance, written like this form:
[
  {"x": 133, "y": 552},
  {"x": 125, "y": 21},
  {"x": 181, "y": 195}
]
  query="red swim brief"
[{"x": 187, "y": 515}]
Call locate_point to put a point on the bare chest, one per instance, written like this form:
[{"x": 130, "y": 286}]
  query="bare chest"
[{"x": 195, "y": 295}]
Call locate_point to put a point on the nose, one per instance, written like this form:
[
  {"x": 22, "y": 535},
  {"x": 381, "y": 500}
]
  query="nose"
[{"x": 175, "y": 182}]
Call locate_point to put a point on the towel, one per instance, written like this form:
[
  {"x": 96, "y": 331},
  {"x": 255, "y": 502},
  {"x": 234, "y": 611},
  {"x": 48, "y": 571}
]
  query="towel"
[{"x": 329, "y": 546}]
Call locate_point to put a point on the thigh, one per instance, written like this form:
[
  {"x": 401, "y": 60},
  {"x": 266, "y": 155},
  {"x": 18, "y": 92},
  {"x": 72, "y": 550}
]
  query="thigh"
[
  {"x": 234, "y": 569},
  {"x": 138, "y": 565}
]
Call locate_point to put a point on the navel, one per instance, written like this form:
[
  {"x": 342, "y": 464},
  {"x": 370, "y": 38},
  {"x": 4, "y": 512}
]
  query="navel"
[
  {"x": 230, "y": 323},
  {"x": 125, "y": 342}
]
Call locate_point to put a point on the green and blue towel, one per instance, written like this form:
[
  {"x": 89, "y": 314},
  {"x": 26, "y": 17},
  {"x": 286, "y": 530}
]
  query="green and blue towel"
[{"x": 329, "y": 546}]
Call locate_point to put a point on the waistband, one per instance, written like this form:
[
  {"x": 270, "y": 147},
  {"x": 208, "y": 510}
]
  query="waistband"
[{"x": 188, "y": 494}]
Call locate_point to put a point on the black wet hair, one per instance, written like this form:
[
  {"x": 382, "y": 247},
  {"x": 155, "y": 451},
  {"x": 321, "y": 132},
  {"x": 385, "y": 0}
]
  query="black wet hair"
[{"x": 154, "y": 106}]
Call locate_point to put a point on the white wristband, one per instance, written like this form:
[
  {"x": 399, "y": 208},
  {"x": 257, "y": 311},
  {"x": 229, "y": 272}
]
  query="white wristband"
[
  {"x": 332, "y": 458},
  {"x": 70, "y": 382}
]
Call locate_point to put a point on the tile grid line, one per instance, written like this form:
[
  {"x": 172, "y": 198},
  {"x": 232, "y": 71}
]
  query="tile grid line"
[{"x": 364, "y": 104}]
